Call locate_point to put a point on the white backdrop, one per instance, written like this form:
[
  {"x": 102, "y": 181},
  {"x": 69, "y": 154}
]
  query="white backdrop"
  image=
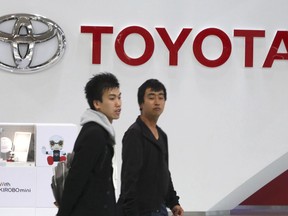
[{"x": 226, "y": 125}]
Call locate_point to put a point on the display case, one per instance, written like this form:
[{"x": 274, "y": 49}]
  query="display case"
[
  {"x": 17, "y": 146},
  {"x": 28, "y": 154}
]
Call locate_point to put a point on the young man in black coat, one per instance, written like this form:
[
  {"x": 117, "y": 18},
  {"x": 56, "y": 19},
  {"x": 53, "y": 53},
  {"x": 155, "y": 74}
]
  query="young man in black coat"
[
  {"x": 146, "y": 185},
  {"x": 89, "y": 189}
]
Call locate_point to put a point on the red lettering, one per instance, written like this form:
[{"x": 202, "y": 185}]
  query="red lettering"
[
  {"x": 249, "y": 43},
  {"x": 173, "y": 47},
  {"x": 197, "y": 47},
  {"x": 273, "y": 52},
  {"x": 96, "y": 39},
  {"x": 149, "y": 45}
]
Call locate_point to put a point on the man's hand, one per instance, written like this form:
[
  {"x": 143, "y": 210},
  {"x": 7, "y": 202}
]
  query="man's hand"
[{"x": 177, "y": 211}]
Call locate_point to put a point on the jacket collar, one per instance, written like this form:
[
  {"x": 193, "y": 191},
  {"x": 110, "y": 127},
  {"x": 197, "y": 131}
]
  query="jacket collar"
[
  {"x": 94, "y": 116},
  {"x": 147, "y": 132}
]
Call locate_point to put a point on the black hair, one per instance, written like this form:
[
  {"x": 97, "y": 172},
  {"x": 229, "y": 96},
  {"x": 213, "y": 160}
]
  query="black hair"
[
  {"x": 155, "y": 85},
  {"x": 96, "y": 86}
]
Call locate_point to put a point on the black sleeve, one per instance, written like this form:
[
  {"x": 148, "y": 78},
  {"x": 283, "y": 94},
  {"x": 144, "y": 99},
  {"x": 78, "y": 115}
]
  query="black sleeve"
[
  {"x": 88, "y": 147},
  {"x": 171, "y": 199},
  {"x": 132, "y": 161}
]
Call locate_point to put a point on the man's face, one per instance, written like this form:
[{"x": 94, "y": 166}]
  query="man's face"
[
  {"x": 111, "y": 104},
  {"x": 154, "y": 103}
]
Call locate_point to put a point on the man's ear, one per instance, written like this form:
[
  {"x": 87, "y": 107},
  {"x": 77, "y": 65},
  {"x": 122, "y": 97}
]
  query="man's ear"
[{"x": 96, "y": 104}]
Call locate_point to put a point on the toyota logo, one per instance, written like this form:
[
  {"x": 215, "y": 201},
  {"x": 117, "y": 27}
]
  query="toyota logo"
[{"x": 29, "y": 43}]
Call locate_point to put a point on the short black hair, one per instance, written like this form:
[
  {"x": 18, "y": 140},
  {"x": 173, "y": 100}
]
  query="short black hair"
[
  {"x": 155, "y": 85},
  {"x": 96, "y": 86}
]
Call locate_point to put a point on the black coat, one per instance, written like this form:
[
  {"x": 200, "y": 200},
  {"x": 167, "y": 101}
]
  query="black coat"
[
  {"x": 145, "y": 177},
  {"x": 89, "y": 186}
]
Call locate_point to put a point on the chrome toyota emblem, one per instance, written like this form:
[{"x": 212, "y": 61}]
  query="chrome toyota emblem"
[{"x": 29, "y": 43}]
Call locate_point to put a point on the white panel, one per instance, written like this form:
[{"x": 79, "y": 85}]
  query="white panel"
[
  {"x": 18, "y": 211},
  {"x": 44, "y": 197},
  {"x": 46, "y": 132},
  {"x": 17, "y": 187},
  {"x": 21, "y": 145},
  {"x": 45, "y": 211}
]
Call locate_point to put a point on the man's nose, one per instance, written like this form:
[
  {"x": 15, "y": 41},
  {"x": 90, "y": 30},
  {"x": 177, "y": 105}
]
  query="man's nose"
[
  {"x": 118, "y": 102},
  {"x": 157, "y": 101}
]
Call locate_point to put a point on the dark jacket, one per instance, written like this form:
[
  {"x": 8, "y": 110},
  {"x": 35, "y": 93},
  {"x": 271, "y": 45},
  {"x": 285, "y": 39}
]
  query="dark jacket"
[
  {"x": 145, "y": 177},
  {"x": 89, "y": 186}
]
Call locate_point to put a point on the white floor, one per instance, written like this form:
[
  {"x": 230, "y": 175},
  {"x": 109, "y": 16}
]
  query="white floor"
[
  {"x": 28, "y": 211},
  {"x": 239, "y": 211}
]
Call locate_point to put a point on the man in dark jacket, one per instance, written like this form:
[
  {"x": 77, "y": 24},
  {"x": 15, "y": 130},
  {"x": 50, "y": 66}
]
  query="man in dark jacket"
[
  {"x": 146, "y": 185},
  {"x": 89, "y": 189}
]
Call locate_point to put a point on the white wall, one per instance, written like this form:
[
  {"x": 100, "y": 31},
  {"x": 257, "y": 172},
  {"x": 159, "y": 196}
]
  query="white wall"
[{"x": 225, "y": 124}]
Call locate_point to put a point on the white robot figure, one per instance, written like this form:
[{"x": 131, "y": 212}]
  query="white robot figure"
[{"x": 55, "y": 154}]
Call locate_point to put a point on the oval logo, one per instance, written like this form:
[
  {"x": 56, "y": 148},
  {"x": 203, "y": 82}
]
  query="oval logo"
[{"x": 29, "y": 43}]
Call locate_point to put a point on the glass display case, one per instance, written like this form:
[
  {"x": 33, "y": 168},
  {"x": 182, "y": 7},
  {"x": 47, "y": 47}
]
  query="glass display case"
[{"x": 27, "y": 157}]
